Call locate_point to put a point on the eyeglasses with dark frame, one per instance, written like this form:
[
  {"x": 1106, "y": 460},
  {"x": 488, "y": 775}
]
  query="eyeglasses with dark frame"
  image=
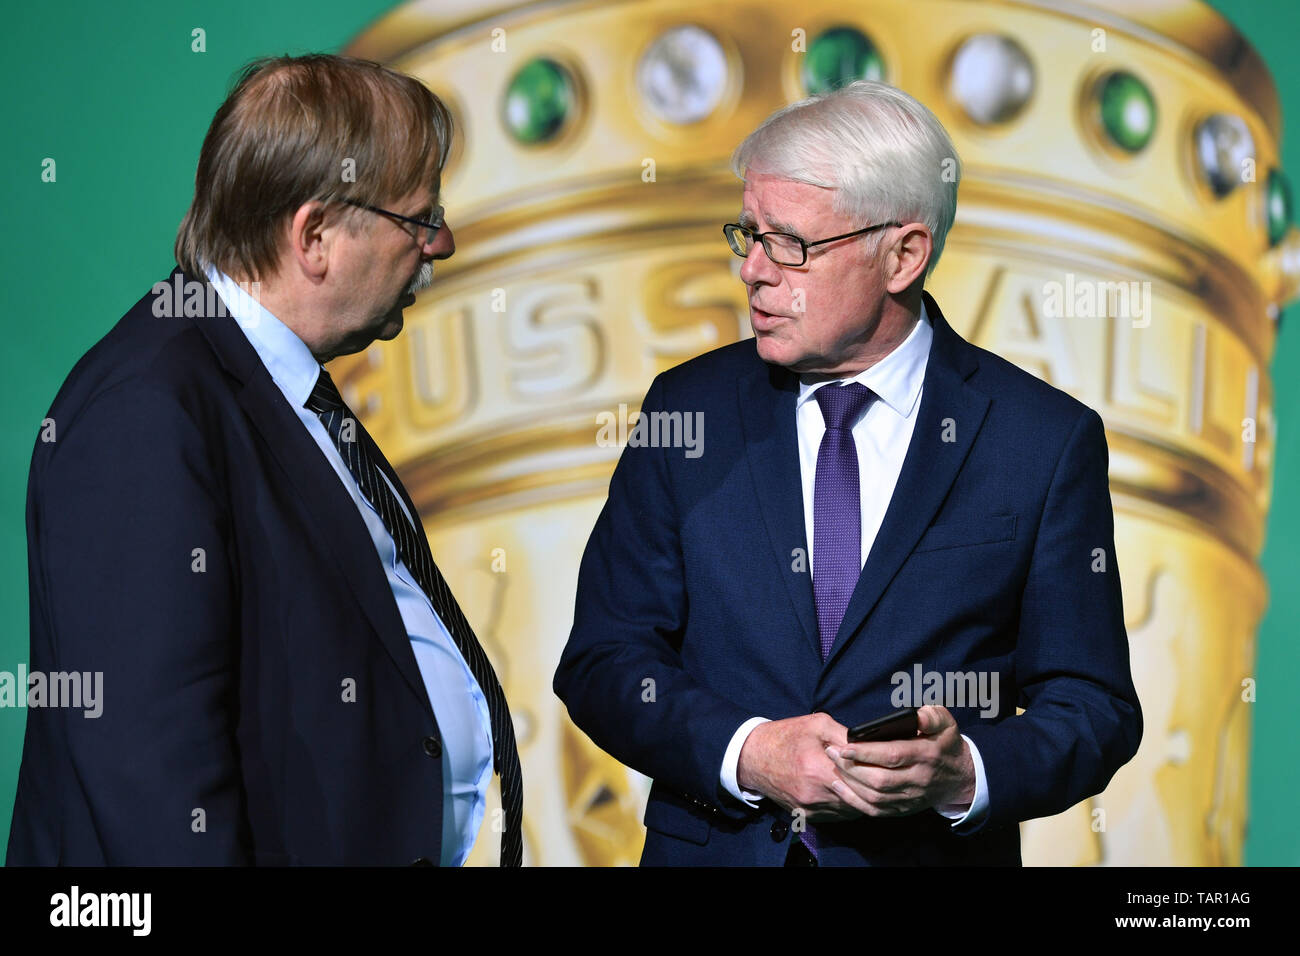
[
  {"x": 781, "y": 247},
  {"x": 430, "y": 227}
]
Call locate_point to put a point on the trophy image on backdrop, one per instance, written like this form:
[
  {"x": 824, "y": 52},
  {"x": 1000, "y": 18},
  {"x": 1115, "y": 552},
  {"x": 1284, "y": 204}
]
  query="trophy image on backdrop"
[{"x": 1123, "y": 232}]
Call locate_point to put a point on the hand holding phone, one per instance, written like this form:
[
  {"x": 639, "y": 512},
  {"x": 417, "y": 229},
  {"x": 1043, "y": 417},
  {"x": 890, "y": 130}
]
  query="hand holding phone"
[{"x": 899, "y": 725}]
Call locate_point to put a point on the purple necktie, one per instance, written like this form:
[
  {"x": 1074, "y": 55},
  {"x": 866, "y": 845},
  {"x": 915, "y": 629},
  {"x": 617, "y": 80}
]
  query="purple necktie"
[
  {"x": 837, "y": 518},
  {"x": 837, "y": 508}
]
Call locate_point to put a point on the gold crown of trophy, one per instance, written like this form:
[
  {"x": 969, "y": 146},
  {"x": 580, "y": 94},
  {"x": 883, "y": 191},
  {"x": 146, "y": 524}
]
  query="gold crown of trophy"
[{"x": 1123, "y": 231}]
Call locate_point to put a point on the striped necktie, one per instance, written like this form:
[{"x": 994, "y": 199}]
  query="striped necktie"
[{"x": 359, "y": 453}]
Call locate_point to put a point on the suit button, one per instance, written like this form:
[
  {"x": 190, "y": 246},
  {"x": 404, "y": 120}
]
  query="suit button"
[
  {"x": 433, "y": 746},
  {"x": 779, "y": 830},
  {"x": 421, "y": 861}
]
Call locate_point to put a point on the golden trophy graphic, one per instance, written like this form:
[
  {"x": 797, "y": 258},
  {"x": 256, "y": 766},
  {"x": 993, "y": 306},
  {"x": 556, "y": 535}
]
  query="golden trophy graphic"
[{"x": 1123, "y": 231}]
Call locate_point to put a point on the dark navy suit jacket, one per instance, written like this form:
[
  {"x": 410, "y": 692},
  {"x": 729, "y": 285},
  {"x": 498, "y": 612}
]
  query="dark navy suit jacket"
[
  {"x": 694, "y": 613},
  {"x": 226, "y": 736}
]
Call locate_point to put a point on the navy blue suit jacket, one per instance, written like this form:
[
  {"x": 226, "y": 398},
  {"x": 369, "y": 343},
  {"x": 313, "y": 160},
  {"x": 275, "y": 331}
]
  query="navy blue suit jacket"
[
  {"x": 225, "y": 736},
  {"x": 984, "y": 562}
]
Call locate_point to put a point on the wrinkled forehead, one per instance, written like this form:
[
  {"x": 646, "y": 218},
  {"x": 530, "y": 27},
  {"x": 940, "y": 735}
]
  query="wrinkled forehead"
[{"x": 776, "y": 201}]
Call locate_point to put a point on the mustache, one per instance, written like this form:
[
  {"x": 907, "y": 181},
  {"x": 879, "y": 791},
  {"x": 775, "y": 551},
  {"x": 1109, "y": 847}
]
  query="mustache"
[{"x": 422, "y": 280}]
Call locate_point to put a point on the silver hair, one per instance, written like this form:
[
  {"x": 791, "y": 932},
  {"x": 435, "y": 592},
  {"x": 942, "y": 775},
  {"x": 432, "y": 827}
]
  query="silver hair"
[{"x": 883, "y": 152}]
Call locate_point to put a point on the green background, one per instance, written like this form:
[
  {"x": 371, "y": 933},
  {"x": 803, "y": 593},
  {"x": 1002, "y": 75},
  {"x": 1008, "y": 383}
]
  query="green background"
[{"x": 113, "y": 92}]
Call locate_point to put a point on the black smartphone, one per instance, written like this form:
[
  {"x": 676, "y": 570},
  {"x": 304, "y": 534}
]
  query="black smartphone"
[{"x": 899, "y": 725}]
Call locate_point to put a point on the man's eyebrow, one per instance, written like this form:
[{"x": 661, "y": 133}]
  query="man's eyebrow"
[
  {"x": 779, "y": 226},
  {"x": 775, "y": 225}
]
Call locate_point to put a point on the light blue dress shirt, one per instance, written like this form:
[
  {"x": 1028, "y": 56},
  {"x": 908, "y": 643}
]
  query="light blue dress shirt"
[{"x": 458, "y": 702}]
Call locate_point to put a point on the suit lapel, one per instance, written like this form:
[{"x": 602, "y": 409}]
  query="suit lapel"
[
  {"x": 332, "y": 515},
  {"x": 767, "y": 411},
  {"x": 929, "y": 469}
]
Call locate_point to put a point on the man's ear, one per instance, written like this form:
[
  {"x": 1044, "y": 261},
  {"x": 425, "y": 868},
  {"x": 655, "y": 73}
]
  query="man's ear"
[
  {"x": 908, "y": 257},
  {"x": 309, "y": 240}
]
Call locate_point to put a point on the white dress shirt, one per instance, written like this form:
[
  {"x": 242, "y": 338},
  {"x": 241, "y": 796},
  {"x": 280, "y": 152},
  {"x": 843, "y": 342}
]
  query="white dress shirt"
[
  {"x": 882, "y": 435},
  {"x": 458, "y": 702}
]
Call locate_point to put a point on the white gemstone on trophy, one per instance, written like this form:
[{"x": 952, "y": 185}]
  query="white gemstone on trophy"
[
  {"x": 1223, "y": 144},
  {"x": 683, "y": 74},
  {"x": 992, "y": 78}
]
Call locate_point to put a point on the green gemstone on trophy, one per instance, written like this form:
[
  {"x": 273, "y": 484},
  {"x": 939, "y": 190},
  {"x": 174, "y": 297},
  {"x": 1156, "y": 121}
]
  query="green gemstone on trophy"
[
  {"x": 538, "y": 101},
  {"x": 1128, "y": 111},
  {"x": 838, "y": 57},
  {"x": 1279, "y": 206}
]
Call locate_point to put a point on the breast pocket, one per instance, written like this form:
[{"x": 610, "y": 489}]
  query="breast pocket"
[{"x": 968, "y": 532}]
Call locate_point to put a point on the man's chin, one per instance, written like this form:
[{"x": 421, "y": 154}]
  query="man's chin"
[
  {"x": 392, "y": 327},
  {"x": 774, "y": 351}
]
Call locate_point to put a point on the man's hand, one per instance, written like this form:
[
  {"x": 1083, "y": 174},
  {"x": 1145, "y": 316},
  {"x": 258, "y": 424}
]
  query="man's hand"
[
  {"x": 892, "y": 778},
  {"x": 787, "y": 761}
]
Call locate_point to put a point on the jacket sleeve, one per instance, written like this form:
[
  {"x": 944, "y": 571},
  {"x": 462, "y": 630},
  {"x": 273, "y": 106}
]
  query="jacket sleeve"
[
  {"x": 136, "y": 560},
  {"x": 1081, "y": 719},
  {"x": 621, "y": 673}
]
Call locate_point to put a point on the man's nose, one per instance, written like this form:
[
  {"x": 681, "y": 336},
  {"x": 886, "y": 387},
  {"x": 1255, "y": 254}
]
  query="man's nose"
[
  {"x": 443, "y": 244},
  {"x": 758, "y": 268}
]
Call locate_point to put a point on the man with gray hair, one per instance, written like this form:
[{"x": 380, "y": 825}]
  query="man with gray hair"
[
  {"x": 288, "y": 679},
  {"x": 888, "y": 522}
]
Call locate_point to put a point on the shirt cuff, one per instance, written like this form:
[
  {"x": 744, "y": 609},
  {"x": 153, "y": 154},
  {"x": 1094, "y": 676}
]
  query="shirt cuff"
[
  {"x": 731, "y": 762},
  {"x": 979, "y": 806}
]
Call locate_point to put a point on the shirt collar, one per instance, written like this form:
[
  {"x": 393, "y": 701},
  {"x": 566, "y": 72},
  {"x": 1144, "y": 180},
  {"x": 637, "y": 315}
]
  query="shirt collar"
[
  {"x": 897, "y": 377},
  {"x": 292, "y": 366}
]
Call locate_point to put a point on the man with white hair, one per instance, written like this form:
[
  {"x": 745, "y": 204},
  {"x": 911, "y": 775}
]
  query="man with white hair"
[{"x": 886, "y": 517}]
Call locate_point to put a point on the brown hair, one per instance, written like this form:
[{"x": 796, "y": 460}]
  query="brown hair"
[{"x": 289, "y": 132}]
